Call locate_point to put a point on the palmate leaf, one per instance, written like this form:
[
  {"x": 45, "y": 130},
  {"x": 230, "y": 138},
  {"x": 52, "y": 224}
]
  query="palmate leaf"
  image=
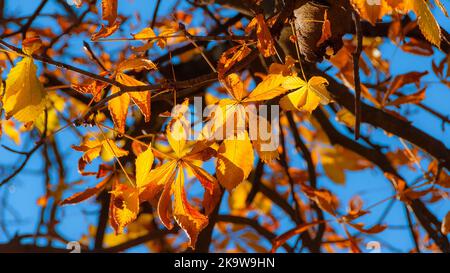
[
  {"x": 308, "y": 96},
  {"x": 167, "y": 181}
]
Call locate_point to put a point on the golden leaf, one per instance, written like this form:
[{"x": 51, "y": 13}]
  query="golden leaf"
[
  {"x": 269, "y": 88},
  {"x": 135, "y": 64},
  {"x": 25, "y": 96},
  {"x": 118, "y": 108},
  {"x": 144, "y": 162},
  {"x": 370, "y": 10},
  {"x": 234, "y": 86},
  {"x": 427, "y": 23},
  {"x": 124, "y": 206},
  {"x": 234, "y": 161},
  {"x": 8, "y": 128},
  {"x": 307, "y": 97},
  {"x": 141, "y": 98},
  {"x": 189, "y": 219}
]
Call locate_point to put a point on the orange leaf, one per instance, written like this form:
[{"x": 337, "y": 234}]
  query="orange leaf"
[
  {"x": 265, "y": 42},
  {"x": 186, "y": 216},
  {"x": 124, "y": 206},
  {"x": 118, "y": 108},
  {"x": 280, "y": 240},
  {"x": 105, "y": 31},
  {"x": 109, "y": 10},
  {"x": 86, "y": 194},
  {"x": 234, "y": 161}
]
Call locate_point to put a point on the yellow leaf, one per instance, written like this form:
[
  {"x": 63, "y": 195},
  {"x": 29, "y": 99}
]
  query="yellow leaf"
[
  {"x": 269, "y": 88},
  {"x": 332, "y": 168},
  {"x": 144, "y": 162},
  {"x": 157, "y": 178},
  {"x": 238, "y": 199},
  {"x": 208, "y": 181},
  {"x": 165, "y": 202},
  {"x": 234, "y": 86},
  {"x": 135, "y": 64},
  {"x": 176, "y": 136},
  {"x": 8, "y": 128},
  {"x": 234, "y": 161},
  {"x": 189, "y": 219},
  {"x": 346, "y": 117},
  {"x": 24, "y": 95},
  {"x": 427, "y": 23},
  {"x": 111, "y": 150},
  {"x": 371, "y": 10},
  {"x": 118, "y": 108},
  {"x": 142, "y": 98},
  {"x": 308, "y": 97},
  {"x": 124, "y": 206},
  {"x": 146, "y": 33}
]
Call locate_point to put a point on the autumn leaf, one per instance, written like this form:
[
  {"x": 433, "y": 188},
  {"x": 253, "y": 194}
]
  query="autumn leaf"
[
  {"x": 336, "y": 160},
  {"x": 118, "y": 108},
  {"x": 144, "y": 162},
  {"x": 371, "y": 11},
  {"x": 8, "y": 127},
  {"x": 86, "y": 194},
  {"x": 427, "y": 23},
  {"x": 231, "y": 57},
  {"x": 167, "y": 180},
  {"x": 25, "y": 96},
  {"x": 124, "y": 205},
  {"x": 346, "y": 117},
  {"x": 323, "y": 198},
  {"x": 105, "y": 31},
  {"x": 265, "y": 43},
  {"x": 93, "y": 148},
  {"x": 445, "y": 228},
  {"x": 413, "y": 99},
  {"x": 308, "y": 96},
  {"x": 109, "y": 10},
  {"x": 186, "y": 216},
  {"x": 234, "y": 161},
  {"x": 280, "y": 240}
]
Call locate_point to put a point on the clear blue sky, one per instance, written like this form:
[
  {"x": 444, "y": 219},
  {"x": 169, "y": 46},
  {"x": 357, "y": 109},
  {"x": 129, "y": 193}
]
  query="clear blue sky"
[{"x": 23, "y": 192}]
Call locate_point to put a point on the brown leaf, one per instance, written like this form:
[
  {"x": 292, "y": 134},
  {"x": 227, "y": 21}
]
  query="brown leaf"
[
  {"x": 445, "y": 228},
  {"x": 105, "y": 31},
  {"x": 109, "y": 11},
  {"x": 265, "y": 42}
]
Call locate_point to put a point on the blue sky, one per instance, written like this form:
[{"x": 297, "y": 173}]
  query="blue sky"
[{"x": 22, "y": 193}]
